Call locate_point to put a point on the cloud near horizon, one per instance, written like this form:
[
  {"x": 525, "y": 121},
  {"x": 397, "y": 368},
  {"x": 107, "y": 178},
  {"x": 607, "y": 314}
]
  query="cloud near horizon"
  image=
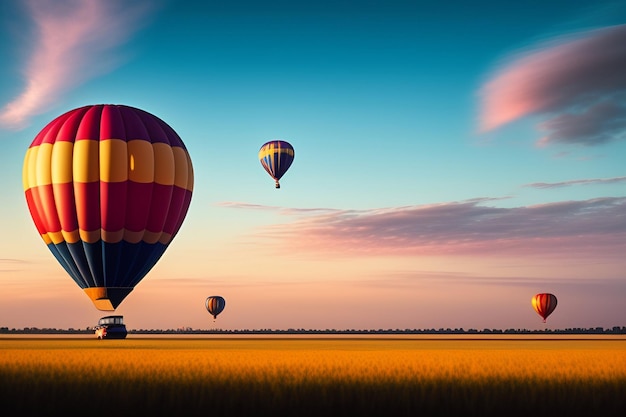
[
  {"x": 73, "y": 43},
  {"x": 577, "y": 84},
  {"x": 595, "y": 227}
]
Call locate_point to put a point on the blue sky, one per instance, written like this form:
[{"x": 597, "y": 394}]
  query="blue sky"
[{"x": 452, "y": 159}]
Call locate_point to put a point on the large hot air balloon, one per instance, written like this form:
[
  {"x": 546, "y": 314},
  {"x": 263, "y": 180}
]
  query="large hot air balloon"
[
  {"x": 544, "y": 304},
  {"x": 108, "y": 187},
  {"x": 276, "y": 157},
  {"x": 215, "y": 305}
]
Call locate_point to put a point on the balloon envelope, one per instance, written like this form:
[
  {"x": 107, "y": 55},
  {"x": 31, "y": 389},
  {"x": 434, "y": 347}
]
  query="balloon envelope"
[
  {"x": 108, "y": 187},
  {"x": 215, "y": 305},
  {"x": 544, "y": 304},
  {"x": 276, "y": 157}
]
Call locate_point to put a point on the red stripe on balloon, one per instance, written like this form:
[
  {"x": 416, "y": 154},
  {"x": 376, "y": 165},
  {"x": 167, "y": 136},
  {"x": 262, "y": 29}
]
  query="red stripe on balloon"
[
  {"x": 88, "y": 205},
  {"x": 139, "y": 202},
  {"x": 70, "y": 121},
  {"x": 44, "y": 201},
  {"x": 66, "y": 207},
  {"x": 161, "y": 197},
  {"x": 183, "y": 212},
  {"x": 113, "y": 205},
  {"x": 111, "y": 124},
  {"x": 176, "y": 206},
  {"x": 34, "y": 211},
  {"x": 89, "y": 127},
  {"x": 48, "y": 134}
]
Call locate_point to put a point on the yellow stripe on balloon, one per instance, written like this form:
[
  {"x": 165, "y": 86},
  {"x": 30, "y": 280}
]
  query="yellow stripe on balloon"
[
  {"x": 71, "y": 236},
  {"x": 164, "y": 158},
  {"x": 56, "y": 237},
  {"x": 141, "y": 161},
  {"x": 165, "y": 238},
  {"x": 113, "y": 160},
  {"x": 151, "y": 237},
  {"x": 272, "y": 149},
  {"x": 86, "y": 164},
  {"x": 190, "y": 178},
  {"x": 112, "y": 236},
  {"x": 265, "y": 152},
  {"x": 31, "y": 174},
  {"x": 61, "y": 162},
  {"x": 183, "y": 169},
  {"x": 89, "y": 236},
  {"x": 133, "y": 237},
  {"x": 29, "y": 168},
  {"x": 44, "y": 172},
  {"x": 46, "y": 239},
  {"x": 109, "y": 237}
]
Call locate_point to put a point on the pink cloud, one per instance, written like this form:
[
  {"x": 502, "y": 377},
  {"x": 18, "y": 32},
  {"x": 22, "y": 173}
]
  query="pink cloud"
[
  {"x": 577, "y": 82},
  {"x": 571, "y": 228},
  {"x": 73, "y": 43}
]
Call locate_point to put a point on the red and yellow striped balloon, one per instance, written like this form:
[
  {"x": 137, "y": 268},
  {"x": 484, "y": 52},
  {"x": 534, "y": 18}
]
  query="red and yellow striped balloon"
[
  {"x": 108, "y": 187},
  {"x": 544, "y": 304}
]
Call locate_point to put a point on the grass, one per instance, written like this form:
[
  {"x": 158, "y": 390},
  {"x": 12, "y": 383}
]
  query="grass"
[{"x": 314, "y": 377}]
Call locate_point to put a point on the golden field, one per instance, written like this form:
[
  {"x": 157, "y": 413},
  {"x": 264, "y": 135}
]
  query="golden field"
[{"x": 302, "y": 376}]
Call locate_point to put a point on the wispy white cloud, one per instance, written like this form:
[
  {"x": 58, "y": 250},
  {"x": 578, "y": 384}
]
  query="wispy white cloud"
[
  {"x": 593, "y": 181},
  {"x": 278, "y": 209},
  {"x": 577, "y": 84},
  {"x": 73, "y": 42},
  {"x": 569, "y": 228}
]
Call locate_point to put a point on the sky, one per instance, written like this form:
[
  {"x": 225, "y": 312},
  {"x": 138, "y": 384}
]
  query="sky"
[{"x": 452, "y": 159}]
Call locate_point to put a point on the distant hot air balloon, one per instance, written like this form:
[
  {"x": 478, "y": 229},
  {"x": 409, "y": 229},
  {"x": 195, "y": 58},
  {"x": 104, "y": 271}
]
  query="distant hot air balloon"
[
  {"x": 108, "y": 187},
  {"x": 215, "y": 305},
  {"x": 544, "y": 304},
  {"x": 276, "y": 157}
]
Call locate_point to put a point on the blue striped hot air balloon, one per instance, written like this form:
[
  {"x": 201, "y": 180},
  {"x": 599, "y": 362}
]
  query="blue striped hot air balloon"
[
  {"x": 276, "y": 156},
  {"x": 108, "y": 187}
]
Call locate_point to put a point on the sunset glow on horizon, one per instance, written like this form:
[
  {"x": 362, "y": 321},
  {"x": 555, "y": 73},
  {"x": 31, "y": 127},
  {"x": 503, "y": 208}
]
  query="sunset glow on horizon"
[{"x": 442, "y": 178}]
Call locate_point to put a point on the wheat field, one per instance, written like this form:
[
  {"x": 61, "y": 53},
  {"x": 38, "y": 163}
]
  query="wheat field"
[{"x": 334, "y": 376}]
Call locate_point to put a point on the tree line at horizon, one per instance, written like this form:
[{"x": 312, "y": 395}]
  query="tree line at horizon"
[{"x": 189, "y": 330}]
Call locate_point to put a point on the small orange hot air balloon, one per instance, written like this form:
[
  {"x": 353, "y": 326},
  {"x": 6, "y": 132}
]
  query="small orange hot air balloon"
[
  {"x": 215, "y": 305},
  {"x": 544, "y": 304}
]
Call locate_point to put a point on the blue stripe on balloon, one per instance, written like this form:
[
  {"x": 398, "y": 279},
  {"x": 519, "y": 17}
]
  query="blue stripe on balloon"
[{"x": 66, "y": 258}]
